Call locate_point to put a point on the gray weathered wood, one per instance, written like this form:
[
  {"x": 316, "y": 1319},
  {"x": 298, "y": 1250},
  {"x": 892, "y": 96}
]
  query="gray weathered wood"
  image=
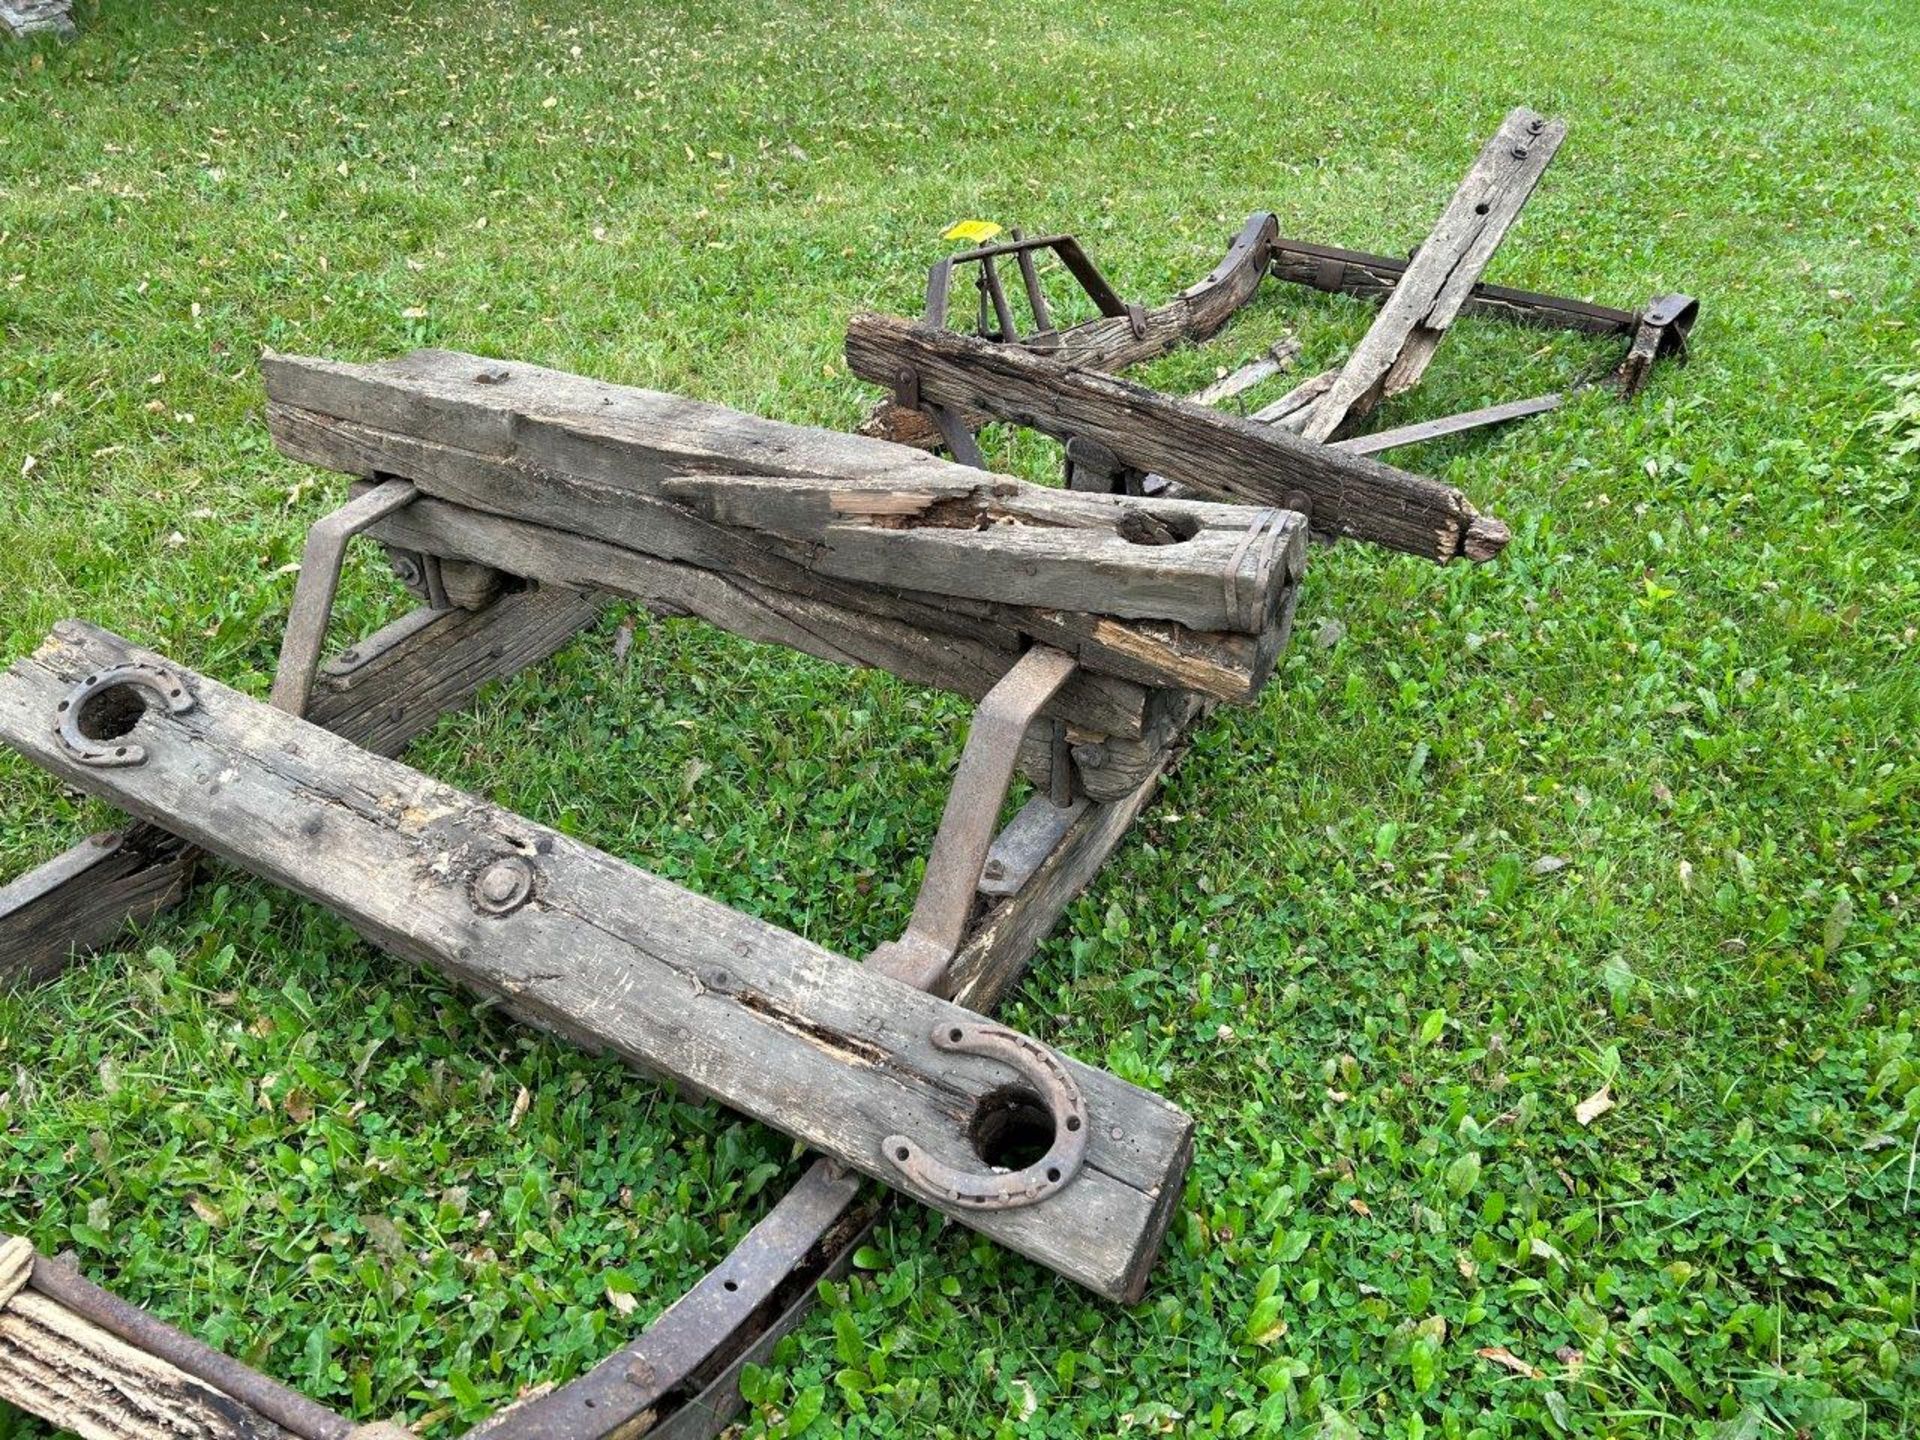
[
  {"x": 1373, "y": 277},
  {"x": 69, "y": 1371},
  {"x": 379, "y": 693},
  {"x": 1395, "y": 351},
  {"x": 85, "y": 897},
  {"x": 1113, "y": 342},
  {"x": 607, "y": 518},
  {"x": 1222, "y": 456},
  {"x": 603, "y": 460},
  {"x": 609, "y": 955},
  {"x": 22, "y": 18},
  {"x": 1444, "y": 425},
  {"x": 912, "y": 641}
]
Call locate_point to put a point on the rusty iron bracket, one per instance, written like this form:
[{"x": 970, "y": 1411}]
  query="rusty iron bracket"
[
  {"x": 1659, "y": 330},
  {"x": 320, "y": 565},
  {"x": 959, "y": 854},
  {"x": 993, "y": 294},
  {"x": 1050, "y": 1081}
]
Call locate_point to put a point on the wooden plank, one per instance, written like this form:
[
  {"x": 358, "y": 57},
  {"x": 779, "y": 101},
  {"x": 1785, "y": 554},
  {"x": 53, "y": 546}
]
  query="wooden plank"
[
  {"x": 610, "y": 956},
  {"x": 380, "y": 693},
  {"x": 765, "y": 596},
  {"x": 86, "y": 897},
  {"x": 70, "y": 1372},
  {"x": 811, "y": 1233},
  {"x": 965, "y": 663},
  {"x": 1222, "y": 456},
  {"x": 1444, "y": 425},
  {"x": 1395, "y": 351},
  {"x": 1373, "y": 277},
  {"x": 1113, "y": 342},
  {"x": 1097, "y": 554},
  {"x": 397, "y": 683},
  {"x": 1228, "y": 665},
  {"x": 561, "y": 450}
]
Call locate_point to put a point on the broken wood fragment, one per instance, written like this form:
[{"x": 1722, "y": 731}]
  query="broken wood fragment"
[
  {"x": 1395, "y": 351},
  {"x": 1222, "y": 456}
]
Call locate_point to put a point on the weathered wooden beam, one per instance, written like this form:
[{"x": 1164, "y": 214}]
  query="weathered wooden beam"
[
  {"x": 652, "y": 472},
  {"x": 626, "y": 455},
  {"x": 1114, "y": 342},
  {"x": 610, "y": 956},
  {"x": 948, "y": 643},
  {"x": 380, "y": 693},
  {"x": 1395, "y": 351},
  {"x": 1222, "y": 456},
  {"x": 905, "y": 642},
  {"x": 1368, "y": 276},
  {"x": 681, "y": 1378},
  {"x": 1422, "y": 431},
  {"x": 87, "y": 896}
]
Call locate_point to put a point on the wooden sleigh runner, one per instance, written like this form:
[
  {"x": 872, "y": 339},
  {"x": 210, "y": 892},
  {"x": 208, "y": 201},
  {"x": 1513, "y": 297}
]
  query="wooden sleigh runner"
[{"x": 1094, "y": 626}]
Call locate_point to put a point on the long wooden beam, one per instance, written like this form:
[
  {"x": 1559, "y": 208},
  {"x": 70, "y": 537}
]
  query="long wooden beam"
[
  {"x": 1222, "y": 456},
  {"x": 611, "y": 464},
  {"x": 1113, "y": 342},
  {"x": 845, "y": 1059},
  {"x": 380, "y": 693},
  {"x": 651, "y": 538}
]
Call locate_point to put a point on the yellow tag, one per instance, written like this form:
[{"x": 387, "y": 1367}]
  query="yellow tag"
[{"x": 974, "y": 232}]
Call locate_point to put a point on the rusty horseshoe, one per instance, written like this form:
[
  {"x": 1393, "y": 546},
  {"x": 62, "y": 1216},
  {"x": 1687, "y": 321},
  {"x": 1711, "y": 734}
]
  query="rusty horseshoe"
[
  {"x": 167, "y": 687},
  {"x": 1059, "y": 1095}
]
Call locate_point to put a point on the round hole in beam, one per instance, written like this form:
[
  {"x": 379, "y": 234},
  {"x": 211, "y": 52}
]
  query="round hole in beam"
[
  {"x": 1011, "y": 1128},
  {"x": 111, "y": 713}
]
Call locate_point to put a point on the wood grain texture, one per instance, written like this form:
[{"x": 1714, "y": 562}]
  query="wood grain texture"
[
  {"x": 1114, "y": 342},
  {"x": 380, "y": 693},
  {"x": 622, "y": 541},
  {"x": 610, "y": 956},
  {"x": 72, "y": 1373},
  {"x": 1397, "y": 348},
  {"x": 1222, "y": 456},
  {"x": 1374, "y": 277},
  {"x": 86, "y": 897},
  {"x": 602, "y": 460}
]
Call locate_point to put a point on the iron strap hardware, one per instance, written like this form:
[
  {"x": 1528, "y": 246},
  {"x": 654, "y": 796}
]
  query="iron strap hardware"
[
  {"x": 84, "y": 700},
  {"x": 1005, "y": 1190},
  {"x": 313, "y": 592}
]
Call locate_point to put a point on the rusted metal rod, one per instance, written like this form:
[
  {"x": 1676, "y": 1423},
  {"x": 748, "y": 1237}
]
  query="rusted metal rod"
[{"x": 287, "y": 1408}]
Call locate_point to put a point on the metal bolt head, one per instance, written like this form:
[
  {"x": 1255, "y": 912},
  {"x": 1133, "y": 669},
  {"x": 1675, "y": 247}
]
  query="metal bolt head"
[{"x": 503, "y": 886}]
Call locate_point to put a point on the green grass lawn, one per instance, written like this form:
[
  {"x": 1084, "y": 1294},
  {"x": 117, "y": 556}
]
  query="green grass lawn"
[{"x": 1637, "y": 806}]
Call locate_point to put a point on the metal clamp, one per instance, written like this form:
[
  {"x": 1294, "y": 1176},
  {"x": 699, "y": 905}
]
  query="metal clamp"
[
  {"x": 320, "y": 564},
  {"x": 117, "y": 751},
  {"x": 945, "y": 902},
  {"x": 1004, "y": 1190}
]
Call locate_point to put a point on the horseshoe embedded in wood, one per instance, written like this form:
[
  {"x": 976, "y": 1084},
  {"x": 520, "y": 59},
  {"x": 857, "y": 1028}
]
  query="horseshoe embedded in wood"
[{"x": 1058, "y": 1095}]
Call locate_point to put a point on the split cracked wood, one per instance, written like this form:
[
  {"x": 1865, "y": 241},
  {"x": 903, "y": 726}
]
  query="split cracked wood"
[
  {"x": 608, "y": 955},
  {"x": 380, "y": 693},
  {"x": 1113, "y": 342},
  {"x": 858, "y": 532},
  {"x": 1396, "y": 349},
  {"x": 1223, "y": 456},
  {"x": 69, "y": 1371}
]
